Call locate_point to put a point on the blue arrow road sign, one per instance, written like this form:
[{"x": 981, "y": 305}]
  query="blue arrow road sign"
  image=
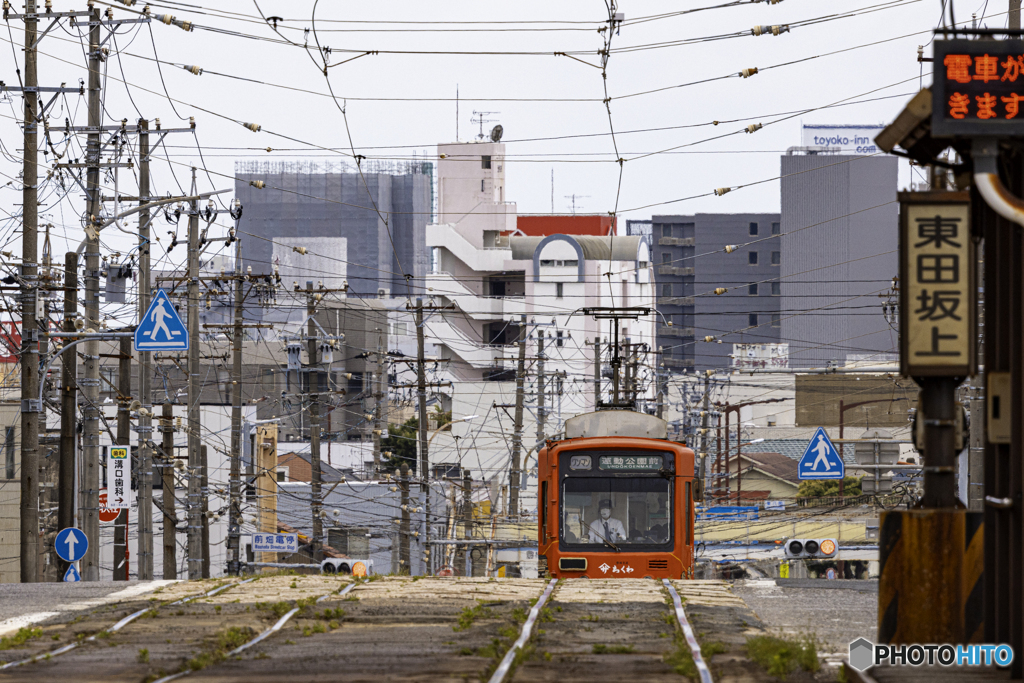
[
  {"x": 821, "y": 459},
  {"x": 161, "y": 328},
  {"x": 72, "y": 575},
  {"x": 71, "y": 544}
]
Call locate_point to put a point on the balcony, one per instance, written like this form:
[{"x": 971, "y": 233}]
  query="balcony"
[
  {"x": 675, "y": 270},
  {"x": 664, "y": 331},
  {"x": 676, "y": 301},
  {"x": 675, "y": 241}
]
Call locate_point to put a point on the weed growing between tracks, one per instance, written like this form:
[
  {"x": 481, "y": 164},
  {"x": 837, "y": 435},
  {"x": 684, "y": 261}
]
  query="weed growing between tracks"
[
  {"x": 24, "y": 634},
  {"x": 600, "y": 649},
  {"x": 471, "y": 614},
  {"x": 779, "y": 656},
  {"x": 681, "y": 659},
  {"x": 227, "y": 640}
]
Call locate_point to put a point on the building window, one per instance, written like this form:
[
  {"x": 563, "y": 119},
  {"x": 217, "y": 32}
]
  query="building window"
[
  {"x": 485, "y": 161},
  {"x": 9, "y": 453},
  {"x": 753, "y": 228},
  {"x": 559, "y": 340},
  {"x": 399, "y": 330},
  {"x": 752, "y": 319},
  {"x": 282, "y": 474},
  {"x": 481, "y": 184},
  {"x": 666, "y": 231},
  {"x": 752, "y": 289},
  {"x": 776, "y": 229},
  {"x": 666, "y": 257},
  {"x": 752, "y": 258},
  {"x": 559, "y": 290},
  {"x": 776, "y": 320},
  {"x": 776, "y": 289},
  {"x": 776, "y": 258},
  {"x": 666, "y": 291}
]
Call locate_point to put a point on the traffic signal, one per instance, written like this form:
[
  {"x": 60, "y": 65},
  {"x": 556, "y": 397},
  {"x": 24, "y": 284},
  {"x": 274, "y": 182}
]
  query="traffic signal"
[{"x": 811, "y": 548}]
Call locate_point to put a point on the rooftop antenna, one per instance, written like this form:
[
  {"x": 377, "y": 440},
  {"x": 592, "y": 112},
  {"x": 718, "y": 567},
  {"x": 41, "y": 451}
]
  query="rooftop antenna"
[
  {"x": 480, "y": 117},
  {"x": 573, "y": 198}
]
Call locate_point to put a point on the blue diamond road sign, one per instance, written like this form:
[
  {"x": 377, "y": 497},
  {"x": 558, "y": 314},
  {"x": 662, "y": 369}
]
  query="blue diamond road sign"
[
  {"x": 161, "y": 329},
  {"x": 821, "y": 459},
  {"x": 71, "y": 544}
]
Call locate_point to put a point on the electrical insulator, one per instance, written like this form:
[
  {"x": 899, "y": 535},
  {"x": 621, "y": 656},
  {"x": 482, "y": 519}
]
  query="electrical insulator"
[
  {"x": 254, "y": 127},
  {"x": 166, "y": 18},
  {"x": 299, "y": 250},
  {"x": 729, "y": 248},
  {"x": 746, "y": 73},
  {"x": 720, "y": 290},
  {"x": 393, "y": 489},
  {"x": 722, "y": 190},
  {"x": 198, "y": 71},
  {"x": 754, "y": 127},
  {"x": 258, "y": 184},
  {"x": 775, "y": 30},
  {"x": 126, "y": 3},
  {"x": 49, "y": 6},
  {"x": 709, "y": 338}
]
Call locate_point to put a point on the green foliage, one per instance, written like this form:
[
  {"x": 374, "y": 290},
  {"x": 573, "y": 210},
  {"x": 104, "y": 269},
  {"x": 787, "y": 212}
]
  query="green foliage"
[
  {"x": 278, "y": 608},
  {"x": 401, "y": 442},
  {"x": 612, "y": 649},
  {"x": 24, "y": 634},
  {"x": 143, "y": 656},
  {"x": 824, "y": 488},
  {"x": 779, "y": 656},
  {"x": 471, "y": 614}
]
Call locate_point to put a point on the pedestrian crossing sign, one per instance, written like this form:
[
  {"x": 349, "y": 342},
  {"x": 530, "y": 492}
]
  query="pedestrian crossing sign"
[
  {"x": 821, "y": 459},
  {"x": 161, "y": 329}
]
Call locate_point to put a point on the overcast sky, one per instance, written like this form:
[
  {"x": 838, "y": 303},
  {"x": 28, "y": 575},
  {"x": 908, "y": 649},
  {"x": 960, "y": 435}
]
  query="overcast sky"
[{"x": 398, "y": 104}]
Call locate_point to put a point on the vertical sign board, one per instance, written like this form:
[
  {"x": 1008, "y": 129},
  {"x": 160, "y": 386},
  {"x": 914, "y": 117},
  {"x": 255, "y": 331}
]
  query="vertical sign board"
[
  {"x": 119, "y": 474},
  {"x": 937, "y": 285},
  {"x": 977, "y": 88}
]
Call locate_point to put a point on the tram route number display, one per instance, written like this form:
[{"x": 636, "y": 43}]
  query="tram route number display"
[
  {"x": 644, "y": 463},
  {"x": 977, "y": 88}
]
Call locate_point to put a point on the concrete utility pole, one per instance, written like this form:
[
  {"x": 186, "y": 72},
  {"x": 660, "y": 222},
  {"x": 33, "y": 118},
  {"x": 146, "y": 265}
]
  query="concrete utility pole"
[
  {"x": 193, "y": 506},
  {"x": 124, "y": 438},
  {"x": 1014, "y": 14},
  {"x": 167, "y": 494},
  {"x": 404, "y": 555},
  {"x": 377, "y": 408},
  {"x": 703, "y": 455},
  {"x": 597, "y": 372},
  {"x": 314, "y": 417},
  {"x": 144, "y": 559},
  {"x": 421, "y": 395},
  {"x": 235, "y": 475},
  {"x": 89, "y": 498},
  {"x": 517, "y": 433},
  {"x": 204, "y": 511},
  {"x": 467, "y": 517},
  {"x": 30, "y": 403},
  {"x": 540, "y": 386},
  {"x": 68, "y": 405}
]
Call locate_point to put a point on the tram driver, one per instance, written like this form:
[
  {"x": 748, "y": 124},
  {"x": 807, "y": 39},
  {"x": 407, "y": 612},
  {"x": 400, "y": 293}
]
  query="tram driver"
[{"x": 607, "y": 528}]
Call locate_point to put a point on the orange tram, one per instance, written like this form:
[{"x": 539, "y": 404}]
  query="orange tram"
[{"x": 615, "y": 499}]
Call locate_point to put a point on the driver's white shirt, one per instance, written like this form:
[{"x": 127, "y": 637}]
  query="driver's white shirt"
[{"x": 616, "y": 531}]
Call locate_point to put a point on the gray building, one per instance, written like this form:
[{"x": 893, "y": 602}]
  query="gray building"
[
  {"x": 366, "y": 230},
  {"x": 689, "y": 252},
  {"x": 839, "y": 224}
]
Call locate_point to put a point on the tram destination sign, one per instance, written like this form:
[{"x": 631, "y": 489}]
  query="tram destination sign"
[
  {"x": 978, "y": 88},
  {"x": 937, "y": 290},
  {"x": 641, "y": 463}
]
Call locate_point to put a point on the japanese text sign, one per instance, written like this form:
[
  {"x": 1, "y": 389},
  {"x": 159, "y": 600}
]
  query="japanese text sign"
[
  {"x": 978, "y": 88},
  {"x": 272, "y": 543},
  {"x": 937, "y": 285},
  {"x": 631, "y": 462},
  {"x": 119, "y": 477}
]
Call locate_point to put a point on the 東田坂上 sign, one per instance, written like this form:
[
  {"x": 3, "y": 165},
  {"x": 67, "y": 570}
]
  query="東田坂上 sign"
[
  {"x": 937, "y": 285},
  {"x": 977, "y": 88}
]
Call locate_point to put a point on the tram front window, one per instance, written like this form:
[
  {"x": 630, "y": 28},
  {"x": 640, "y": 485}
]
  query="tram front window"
[{"x": 616, "y": 511}]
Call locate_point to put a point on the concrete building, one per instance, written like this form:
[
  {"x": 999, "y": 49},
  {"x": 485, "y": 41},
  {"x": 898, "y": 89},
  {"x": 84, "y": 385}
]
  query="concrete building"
[
  {"x": 691, "y": 262},
  {"x": 366, "y": 229},
  {"x": 839, "y": 244}
]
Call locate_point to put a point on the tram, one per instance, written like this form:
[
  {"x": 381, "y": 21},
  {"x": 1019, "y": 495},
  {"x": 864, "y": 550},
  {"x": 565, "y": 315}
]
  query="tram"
[{"x": 615, "y": 499}]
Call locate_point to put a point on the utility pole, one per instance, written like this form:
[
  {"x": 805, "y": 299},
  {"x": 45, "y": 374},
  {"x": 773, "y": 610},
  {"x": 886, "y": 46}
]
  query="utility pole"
[
  {"x": 377, "y": 409},
  {"x": 421, "y": 395},
  {"x": 91, "y": 382},
  {"x": 517, "y": 433},
  {"x": 467, "y": 517},
  {"x": 235, "y": 475},
  {"x": 195, "y": 559},
  {"x": 314, "y": 416},
  {"x": 124, "y": 437},
  {"x": 204, "y": 511},
  {"x": 68, "y": 405},
  {"x": 1014, "y": 14},
  {"x": 702, "y": 473},
  {"x": 30, "y": 404},
  {"x": 144, "y": 559},
  {"x": 659, "y": 377},
  {"x": 167, "y": 494},
  {"x": 597, "y": 372},
  {"x": 404, "y": 567},
  {"x": 540, "y": 386}
]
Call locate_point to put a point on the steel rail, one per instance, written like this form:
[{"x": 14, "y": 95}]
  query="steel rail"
[
  {"x": 524, "y": 636},
  {"x": 265, "y": 634},
  {"x": 118, "y": 626},
  {"x": 691, "y": 640}
]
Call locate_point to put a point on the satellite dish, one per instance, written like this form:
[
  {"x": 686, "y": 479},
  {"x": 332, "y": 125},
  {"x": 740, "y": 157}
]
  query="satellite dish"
[{"x": 496, "y": 133}]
